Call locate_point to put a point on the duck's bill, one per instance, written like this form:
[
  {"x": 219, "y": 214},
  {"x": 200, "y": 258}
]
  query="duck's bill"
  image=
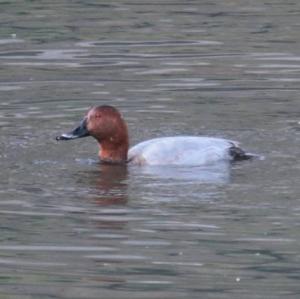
[{"x": 79, "y": 132}]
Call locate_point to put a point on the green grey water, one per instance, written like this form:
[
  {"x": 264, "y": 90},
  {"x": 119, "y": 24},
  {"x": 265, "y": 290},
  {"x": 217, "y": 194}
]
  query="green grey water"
[{"x": 71, "y": 228}]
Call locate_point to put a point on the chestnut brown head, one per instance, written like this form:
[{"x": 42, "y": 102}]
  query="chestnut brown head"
[{"x": 107, "y": 126}]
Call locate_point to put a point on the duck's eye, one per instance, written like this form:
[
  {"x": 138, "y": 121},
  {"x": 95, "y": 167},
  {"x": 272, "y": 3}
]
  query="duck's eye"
[{"x": 98, "y": 116}]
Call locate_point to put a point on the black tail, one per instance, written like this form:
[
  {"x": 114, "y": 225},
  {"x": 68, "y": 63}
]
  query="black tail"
[{"x": 238, "y": 154}]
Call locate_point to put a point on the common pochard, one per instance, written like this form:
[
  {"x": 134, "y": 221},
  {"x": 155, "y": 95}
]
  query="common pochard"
[{"x": 107, "y": 126}]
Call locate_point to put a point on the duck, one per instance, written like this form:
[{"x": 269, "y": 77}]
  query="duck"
[{"x": 106, "y": 124}]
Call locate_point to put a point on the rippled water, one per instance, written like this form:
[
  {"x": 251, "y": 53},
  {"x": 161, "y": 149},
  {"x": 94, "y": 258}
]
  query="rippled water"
[{"x": 71, "y": 228}]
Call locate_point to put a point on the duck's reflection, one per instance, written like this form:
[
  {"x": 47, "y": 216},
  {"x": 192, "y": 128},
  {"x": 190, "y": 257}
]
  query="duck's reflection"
[
  {"x": 109, "y": 184},
  {"x": 218, "y": 173}
]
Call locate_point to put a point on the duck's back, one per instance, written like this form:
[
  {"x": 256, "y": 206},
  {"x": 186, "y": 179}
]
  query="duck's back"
[{"x": 181, "y": 150}]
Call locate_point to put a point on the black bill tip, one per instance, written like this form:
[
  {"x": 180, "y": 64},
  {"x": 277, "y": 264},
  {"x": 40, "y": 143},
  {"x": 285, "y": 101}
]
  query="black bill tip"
[{"x": 62, "y": 137}]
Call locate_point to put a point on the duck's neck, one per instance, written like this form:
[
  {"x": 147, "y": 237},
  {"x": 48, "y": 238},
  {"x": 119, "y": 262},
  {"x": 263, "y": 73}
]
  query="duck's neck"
[{"x": 112, "y": 151}]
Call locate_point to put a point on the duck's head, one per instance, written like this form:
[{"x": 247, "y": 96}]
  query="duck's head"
[{"x": 107, "y": 126}]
